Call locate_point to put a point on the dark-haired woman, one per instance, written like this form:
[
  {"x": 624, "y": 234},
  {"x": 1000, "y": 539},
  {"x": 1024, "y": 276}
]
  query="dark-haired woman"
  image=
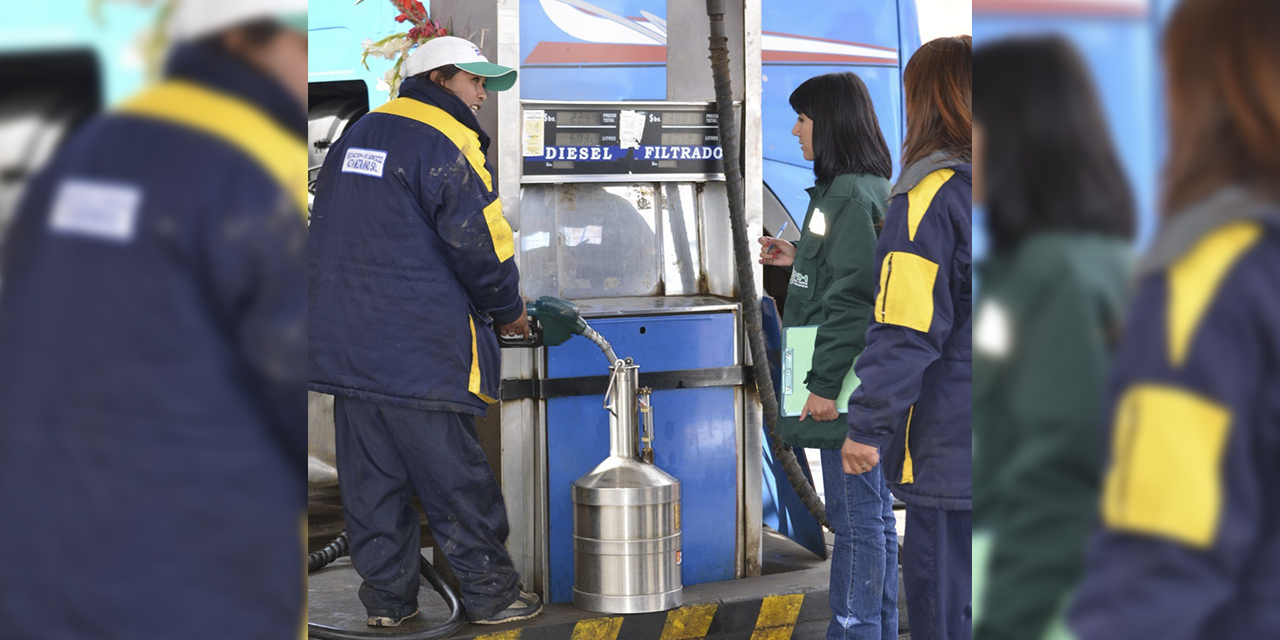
[
  {"x": 832, "y": 286},
  {"x": 1060, "y": 217},
  {"x": 915, "y": 398},
  {"x": 1189, "y": 547}
]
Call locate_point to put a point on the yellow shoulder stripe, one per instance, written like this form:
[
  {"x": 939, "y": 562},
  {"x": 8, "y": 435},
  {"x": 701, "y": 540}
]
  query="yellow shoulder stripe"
[
  {"x": 469, "y": 143},
  {"x": 921, "y": 196},
  {"x": 1166, "y": 475},
  {"x": 1195, "y": 279},
  {"x": 462, "y": 136},
  {"x": 282, "y": 154}
]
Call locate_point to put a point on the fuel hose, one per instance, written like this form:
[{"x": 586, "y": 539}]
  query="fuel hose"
[
  {"x": 742, "y": 261},
  {"x": 337, "y": 549}
]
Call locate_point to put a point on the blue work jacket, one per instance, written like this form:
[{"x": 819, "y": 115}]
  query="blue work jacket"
[
  {"x": 411, "y": 261},
  {"x": 1189, "y": 542},
  {"x": 153, "y": 385},
  {"x": 915, "y": 398}
]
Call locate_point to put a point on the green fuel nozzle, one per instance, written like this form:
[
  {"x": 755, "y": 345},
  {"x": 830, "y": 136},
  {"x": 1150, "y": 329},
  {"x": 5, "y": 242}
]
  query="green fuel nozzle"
[
  {"x": 553, "y": 320},
  {"x": 558, "y": 319}
]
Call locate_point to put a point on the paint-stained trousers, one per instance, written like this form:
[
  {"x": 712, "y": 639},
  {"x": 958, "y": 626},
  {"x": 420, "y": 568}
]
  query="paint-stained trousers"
[
  {"x": 385, "y": 455},
  {"x": 936, "y": 573}
]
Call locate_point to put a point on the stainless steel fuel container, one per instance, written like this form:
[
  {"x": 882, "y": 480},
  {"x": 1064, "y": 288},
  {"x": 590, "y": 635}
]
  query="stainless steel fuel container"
[{"x": 626, "y": 518}]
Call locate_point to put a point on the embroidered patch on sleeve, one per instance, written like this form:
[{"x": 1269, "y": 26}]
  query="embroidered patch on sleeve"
[
  {"x": 102, "y": 210},
  {"x": 366, "y": 162}
]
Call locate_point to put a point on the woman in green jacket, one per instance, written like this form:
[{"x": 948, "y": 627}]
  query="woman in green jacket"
[
  {"x": 1060, "y": 218},
  {"x": 832, "y": 287}
]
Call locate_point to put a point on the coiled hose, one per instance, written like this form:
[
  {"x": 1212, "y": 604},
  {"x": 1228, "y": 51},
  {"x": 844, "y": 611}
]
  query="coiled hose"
[
  {"x": 339, "y": 548},
  {"x": 742, "y": 261}
]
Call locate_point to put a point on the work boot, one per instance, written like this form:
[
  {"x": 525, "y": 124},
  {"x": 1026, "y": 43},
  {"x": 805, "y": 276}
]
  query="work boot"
[
  {"x": 527, "y": 605},
  {"x": 388, "y": 621}
]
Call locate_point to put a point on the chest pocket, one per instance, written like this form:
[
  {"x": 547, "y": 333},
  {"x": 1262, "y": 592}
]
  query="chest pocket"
[{"x": 806, "y": 271}]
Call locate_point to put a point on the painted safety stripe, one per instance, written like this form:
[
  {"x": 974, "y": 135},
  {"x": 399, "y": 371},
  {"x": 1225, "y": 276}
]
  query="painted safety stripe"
[
  {"x": 777, "y": 617},
  {"x": 513, "y": 634},
  {"x": 689, "y": 623},
  {"x": 770, "y": 618},
  {"x": 597, "y": 629}
]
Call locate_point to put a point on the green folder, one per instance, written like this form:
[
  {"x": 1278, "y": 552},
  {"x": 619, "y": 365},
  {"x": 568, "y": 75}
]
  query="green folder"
[{"x": 797, "y": 359}]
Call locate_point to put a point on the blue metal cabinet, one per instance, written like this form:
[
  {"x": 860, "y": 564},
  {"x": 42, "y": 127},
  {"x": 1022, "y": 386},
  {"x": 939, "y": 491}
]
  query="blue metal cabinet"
[{"x": 696, "y": 439}]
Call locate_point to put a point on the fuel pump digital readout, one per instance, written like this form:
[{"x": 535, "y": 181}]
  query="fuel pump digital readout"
[{"x": 620, "y": 142}]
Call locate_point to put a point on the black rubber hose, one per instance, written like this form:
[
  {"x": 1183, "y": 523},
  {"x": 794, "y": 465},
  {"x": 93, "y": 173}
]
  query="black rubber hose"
[
  {"x": 332, "y": 551},
  {"x": 337, "y": 549},
  {"x": 743, "y": 261}
]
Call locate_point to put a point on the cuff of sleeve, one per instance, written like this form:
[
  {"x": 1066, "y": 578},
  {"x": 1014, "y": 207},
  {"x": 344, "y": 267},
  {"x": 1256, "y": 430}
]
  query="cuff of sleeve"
[
  {"x": 509, "y": 313},
  {"x": 824, "y": 389},
  {"x": 862, "y": 436}
]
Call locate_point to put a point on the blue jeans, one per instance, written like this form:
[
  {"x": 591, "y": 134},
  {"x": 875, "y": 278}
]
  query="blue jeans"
[{"x": 864, "y": 563}]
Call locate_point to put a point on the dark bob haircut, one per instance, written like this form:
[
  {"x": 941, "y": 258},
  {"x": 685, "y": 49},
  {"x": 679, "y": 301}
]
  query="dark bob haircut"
[
  {"x": 846, "y": 132},
  {"x": 1048, "y": 162}
]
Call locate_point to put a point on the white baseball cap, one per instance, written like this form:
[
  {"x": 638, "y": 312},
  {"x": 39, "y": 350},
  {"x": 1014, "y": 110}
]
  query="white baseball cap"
[
  {"x": 194, "y": 19},
  {"x": 451, "y": 50}
]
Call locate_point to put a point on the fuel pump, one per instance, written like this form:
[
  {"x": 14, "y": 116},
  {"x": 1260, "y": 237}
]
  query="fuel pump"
[{"x": 626, "y": 511}]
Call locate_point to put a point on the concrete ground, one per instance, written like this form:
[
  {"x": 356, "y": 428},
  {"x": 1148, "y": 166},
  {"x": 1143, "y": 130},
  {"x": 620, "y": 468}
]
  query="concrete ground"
[{"x": 790, "y": 601}]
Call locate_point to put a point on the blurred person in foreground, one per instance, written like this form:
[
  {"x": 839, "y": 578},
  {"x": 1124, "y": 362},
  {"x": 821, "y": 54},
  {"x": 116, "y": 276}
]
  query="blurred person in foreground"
[
  {"x": 1189, "y": 544},
  {"x": 915, "y": 397},
  {"x": 412, "y": 267},
  {"x": 152, "y": 352},
  {"x": 833, "y": 287},
  {"x": 1048, "y": 315}
]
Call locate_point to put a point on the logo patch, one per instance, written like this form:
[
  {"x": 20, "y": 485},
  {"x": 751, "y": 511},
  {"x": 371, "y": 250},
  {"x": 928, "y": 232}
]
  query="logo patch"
[
  {"x": 818, "y": 223},
  {"x": 367, "y": 162},
  {"x": 799, "y": 279},
  {"x": 102, "y": 210},
  {"x": 993, "y": 330}
]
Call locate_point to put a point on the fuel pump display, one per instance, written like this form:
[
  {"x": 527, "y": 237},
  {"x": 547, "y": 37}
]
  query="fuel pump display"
[{"x": 598, "y": 142}]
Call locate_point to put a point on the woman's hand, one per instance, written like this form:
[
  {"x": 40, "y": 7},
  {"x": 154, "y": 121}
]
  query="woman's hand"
[
  {"x": 519, "y": 328},
  {"x": 858, "y": 458},
  {"x": 776, "y": 252},
  {"x": 822, "y": 409}
]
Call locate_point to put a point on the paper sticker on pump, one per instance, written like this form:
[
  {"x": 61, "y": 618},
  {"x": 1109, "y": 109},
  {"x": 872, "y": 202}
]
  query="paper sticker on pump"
[{"x": 534, "y": 132}]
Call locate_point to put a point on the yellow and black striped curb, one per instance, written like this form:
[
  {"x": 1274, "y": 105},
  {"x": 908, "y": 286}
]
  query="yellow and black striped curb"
[{"x": 772, "y": 617}]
